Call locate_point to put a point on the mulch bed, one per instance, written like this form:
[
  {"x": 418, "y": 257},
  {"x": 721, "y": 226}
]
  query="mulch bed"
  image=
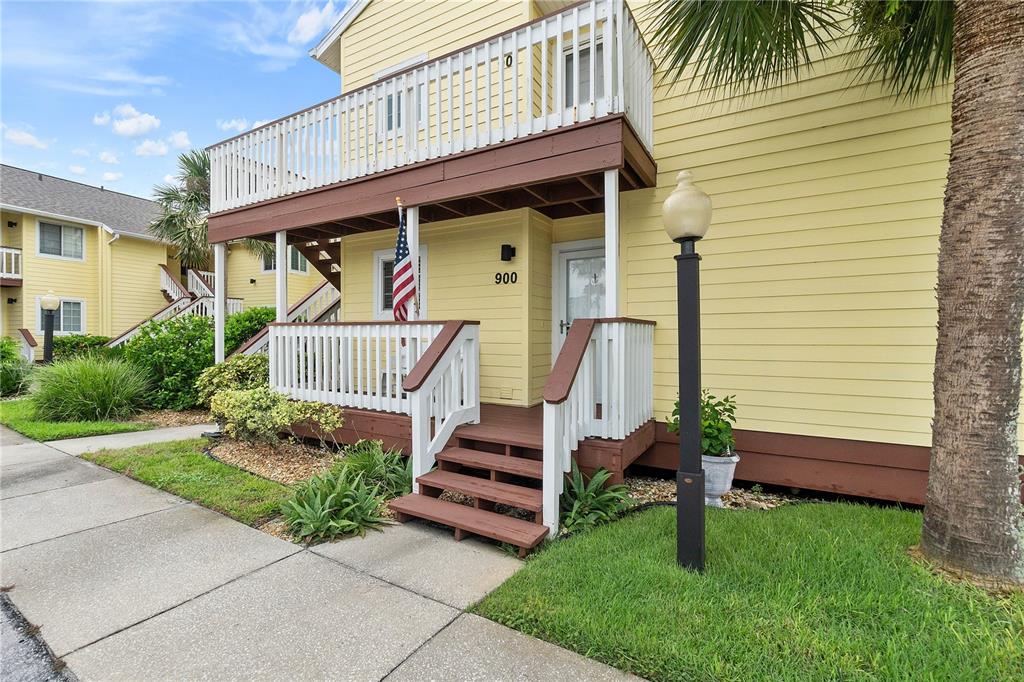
[
  {"x": 645, "y": 489},
  {"x": 287, "y": 463},
  {"x": 168, "y": 418}
]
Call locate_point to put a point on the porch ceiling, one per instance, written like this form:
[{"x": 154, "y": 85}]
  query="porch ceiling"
[{"x": 559, "y": 173}]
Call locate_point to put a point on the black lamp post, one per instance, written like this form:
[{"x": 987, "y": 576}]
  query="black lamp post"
[
  {"x": 687, "y": 215},
  {"x": 49, "y": 303}
]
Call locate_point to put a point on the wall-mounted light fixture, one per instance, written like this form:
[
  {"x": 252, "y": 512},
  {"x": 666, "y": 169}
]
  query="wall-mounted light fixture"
[
  {"x": 252, "y": 280},
  {"x": 12, "y": 301},
  {"x": 508, "y": 252},
  {"x": 12, "y": 224}
]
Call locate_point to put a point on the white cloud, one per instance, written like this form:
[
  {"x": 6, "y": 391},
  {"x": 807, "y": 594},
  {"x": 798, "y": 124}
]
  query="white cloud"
[
  {"x": 312, "y": 23},
  {"x": 101, "y": 119},
  {"x": 23, "y": 138},
  {"x": 112, "y": 177},
  {"x": 130, "y": 122},
  {"x": 151, "y": 148},
  {"x": 77, "y": 170},
  {"x": 236, "y": 124},
  {"x": 79, "y": 151},
  {"x": 261, "y": 122},
  {"x": 170, "y": 179},
  {"x": 179, "y": 140},
  {"x": 109, "y": 157}
]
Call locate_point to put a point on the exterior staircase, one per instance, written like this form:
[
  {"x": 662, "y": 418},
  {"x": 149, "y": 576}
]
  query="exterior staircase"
[{"x": 497, "y": 465}]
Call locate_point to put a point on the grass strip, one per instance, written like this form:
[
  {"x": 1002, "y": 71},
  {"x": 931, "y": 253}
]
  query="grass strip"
[
  {"x": 181, "y": 467},
  {"x": 18, "y": 415}
]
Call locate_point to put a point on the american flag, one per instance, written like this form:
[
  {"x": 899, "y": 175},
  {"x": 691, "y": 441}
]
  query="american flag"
[{"x": 403, "y": 281}]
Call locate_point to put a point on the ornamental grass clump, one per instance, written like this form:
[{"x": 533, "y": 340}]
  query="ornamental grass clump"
[
  {"x": 334, "y": 504},
  {"x": 387, "y": 469},
  {"x": 89, "y": 389},
  {"x": 14, "y": 369}
]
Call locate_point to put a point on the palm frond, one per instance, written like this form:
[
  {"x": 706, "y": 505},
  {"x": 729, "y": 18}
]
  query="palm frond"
[
  {"x": 260, "y": 248},
  {"x": 753, "y": 44},
  {"x": 908, "y": 43},
  {"x": 185, "y": 205}
]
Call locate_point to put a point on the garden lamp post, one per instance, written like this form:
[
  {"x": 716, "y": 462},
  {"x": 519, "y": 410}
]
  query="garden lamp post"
[
  {"x": 687, "y": 215},
  {"x": 49, "y": 303}
]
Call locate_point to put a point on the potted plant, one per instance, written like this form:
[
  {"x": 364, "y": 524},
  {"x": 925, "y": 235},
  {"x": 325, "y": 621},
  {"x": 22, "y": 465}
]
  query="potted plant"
[{"x": 717, "y": 444}]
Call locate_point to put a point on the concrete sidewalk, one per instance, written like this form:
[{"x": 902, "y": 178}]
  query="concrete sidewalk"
[
  {"x": 130, "y": 583},
  {"x": 80, "y": 446}
]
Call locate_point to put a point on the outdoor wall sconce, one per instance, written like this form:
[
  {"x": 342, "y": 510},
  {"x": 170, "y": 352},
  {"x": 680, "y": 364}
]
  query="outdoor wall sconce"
[
  {"x": 12, "y": 301},
  {"x": 508, "y": 252},
  {"x": 252, "y": 280},
  {"x": 12, "y": 224}
]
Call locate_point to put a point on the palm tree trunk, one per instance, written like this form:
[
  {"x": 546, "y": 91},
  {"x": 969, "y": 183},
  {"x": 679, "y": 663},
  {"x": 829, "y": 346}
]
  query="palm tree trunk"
[{"x": 973, "y": 518}]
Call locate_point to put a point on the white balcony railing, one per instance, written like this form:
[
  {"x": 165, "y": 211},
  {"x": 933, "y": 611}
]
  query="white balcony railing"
[
  {"x": 542, "y": 76},
  {"x": 10, "y": 262},
  {"x": 601, "y": 386}
]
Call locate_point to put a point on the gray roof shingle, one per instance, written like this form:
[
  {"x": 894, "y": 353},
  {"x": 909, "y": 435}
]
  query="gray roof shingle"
[{"x": 120, "y": 212}]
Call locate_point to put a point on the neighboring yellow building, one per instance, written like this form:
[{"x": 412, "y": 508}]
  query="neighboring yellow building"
[{"x": 91, "y": 246}]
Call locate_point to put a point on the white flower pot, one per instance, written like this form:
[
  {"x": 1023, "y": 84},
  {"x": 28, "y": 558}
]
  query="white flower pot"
[{"x": 718, "y": 472}]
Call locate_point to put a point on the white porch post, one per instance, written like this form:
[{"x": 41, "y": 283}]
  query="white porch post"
[
  {"x": 611, "y": 243},
  {"x": 412, "y": 227},
  {"x": 220, "y": 264},
  {"x": 281, "y": 275}
]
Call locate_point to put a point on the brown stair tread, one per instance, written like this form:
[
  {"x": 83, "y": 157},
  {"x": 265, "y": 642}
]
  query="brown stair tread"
[
  {"x": 517, "y": 466},
  {"x": 489, "y": 524},
  {"x": 495, "y": 491}
]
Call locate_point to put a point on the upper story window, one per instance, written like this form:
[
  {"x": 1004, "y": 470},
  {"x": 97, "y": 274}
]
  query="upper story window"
[
  {"x": 393, "y": 107},
  {"x": 62, "y": 241},
  {"x": 583, "y": 77},
  {"x": 69, "y": 318},
  {"x": 296, "y": 261}
]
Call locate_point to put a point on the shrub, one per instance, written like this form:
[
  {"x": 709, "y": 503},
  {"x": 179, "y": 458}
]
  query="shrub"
[
  {"x": 589, "y": 503},
  {"x": 174, "y": 352},
  {"x": 88, "y": 389},
  {"x": 14, "y": 376},
  {"x": 241, "y": 327},
  {"x": 239, "y": 372},
  {"x": 333, "y": 504},
  {"x": 73, "y": 345},
  {"x": 388, "y": 470},
  {"x": 9, "y": 349},
  {"x": 259, "y": 415},
  {"x": 717, "y": 417}
]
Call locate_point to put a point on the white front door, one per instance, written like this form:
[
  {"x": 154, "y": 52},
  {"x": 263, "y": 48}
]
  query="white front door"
[{"x": 578, "y": 287}]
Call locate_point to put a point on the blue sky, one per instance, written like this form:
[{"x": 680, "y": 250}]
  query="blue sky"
[{"x": 108, "y": 93}]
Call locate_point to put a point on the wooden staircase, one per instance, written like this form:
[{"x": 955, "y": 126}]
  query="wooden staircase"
[{"x": 496, "y": 462}]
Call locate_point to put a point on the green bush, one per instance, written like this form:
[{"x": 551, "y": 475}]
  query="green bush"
[
  {"x": 88, "y": 389},
  {"x": 73, "y": 345},
  {"x": 387, "y": 469},
  {"x": 174, "y": 352},
  {"x": 238, "y": 372},
  {"x": 333, "y": 504},
  {"x": 9, "y": 349},
  {"x": 241, "y": 327},
  {"x": 259, "y": 415},
  {"x": 14, "y": 376},
  {"x": 717, "y": 417},
  {"x": 589, "y": 503}
]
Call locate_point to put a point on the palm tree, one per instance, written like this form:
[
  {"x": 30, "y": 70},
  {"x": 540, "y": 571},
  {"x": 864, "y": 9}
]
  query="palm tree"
[
  {"x": 186, "y": 205},
  {"x": 973, "y": 518}
]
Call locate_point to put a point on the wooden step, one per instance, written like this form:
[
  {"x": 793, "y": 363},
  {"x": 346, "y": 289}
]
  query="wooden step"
[
  {"x": 522, "y": 534},
  {"x": 517, "y": 466},
  {"x": 504, "y": 493}
]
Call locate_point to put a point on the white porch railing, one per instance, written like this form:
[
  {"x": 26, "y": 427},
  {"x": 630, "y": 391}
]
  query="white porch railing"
[
  {"x": 10, "y": 262},
  {"x": 186, "y": 305},
  {"x": 600, "y": 387},
  {"x": 322, "y": 304},
  {"x": 199, "y": 282},
  {"x": 542, "y": 76},
  {"x": 171, "y": 286}
]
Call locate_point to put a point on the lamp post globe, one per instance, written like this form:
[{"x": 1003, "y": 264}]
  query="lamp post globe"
[
  {"x": 686, "y": 214},
  {"x": 49, "y": 303}
]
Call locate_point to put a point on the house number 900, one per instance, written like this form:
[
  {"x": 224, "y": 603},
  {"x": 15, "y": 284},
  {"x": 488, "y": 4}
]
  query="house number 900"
[{"x": 505, "y": 277}]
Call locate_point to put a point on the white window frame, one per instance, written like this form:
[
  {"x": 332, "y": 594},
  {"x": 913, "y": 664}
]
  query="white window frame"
[
  {"x": 291, "y": 249},
  {"x": 63, "y": 300},
  {"x": 567, "y": 54},
  {"x": 62, "y": 226},
  {"x": 379, "y": 258},
  {"x": 414, "y": 93}
]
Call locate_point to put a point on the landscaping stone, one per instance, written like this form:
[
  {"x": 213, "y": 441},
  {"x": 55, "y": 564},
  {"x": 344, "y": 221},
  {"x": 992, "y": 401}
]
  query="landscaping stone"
[
  {"x": 79, "y": 446},
  {"x": 428, "y": 561},
  {"x": 48, "y": 474},
  {"x": 302, "y": 618},
  {"x": 33, "y": 518},
  {"x": 88, "y": 585},
  {"x": 474, "y": 648}
]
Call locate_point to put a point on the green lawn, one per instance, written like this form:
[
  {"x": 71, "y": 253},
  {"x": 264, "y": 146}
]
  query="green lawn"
[
  {"x": 17, "y": 415},
  {"x": 181, "y": 468},
  {"x": 802, "y": 592}
]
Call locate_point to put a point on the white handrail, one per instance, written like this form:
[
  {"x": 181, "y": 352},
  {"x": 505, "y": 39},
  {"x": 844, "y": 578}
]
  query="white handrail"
[
  {"x": 611, "y": 395},
  {"x": 172, "y": 286},
  {"x": 359, "y": 365},
  {"x": 199, "y": 282},
  {"x": 525, "y": 81},
  {"x": 322, "y": 305},
  {"x": 448, "y": 397},
  {"x": 10, "y": 262},
  {"x": 202, "y": 305}
]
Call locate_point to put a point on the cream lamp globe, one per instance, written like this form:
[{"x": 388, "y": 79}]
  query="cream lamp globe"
[
  {"x": 687, "y": 210},
  {"x": 49, "y": 301}
]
